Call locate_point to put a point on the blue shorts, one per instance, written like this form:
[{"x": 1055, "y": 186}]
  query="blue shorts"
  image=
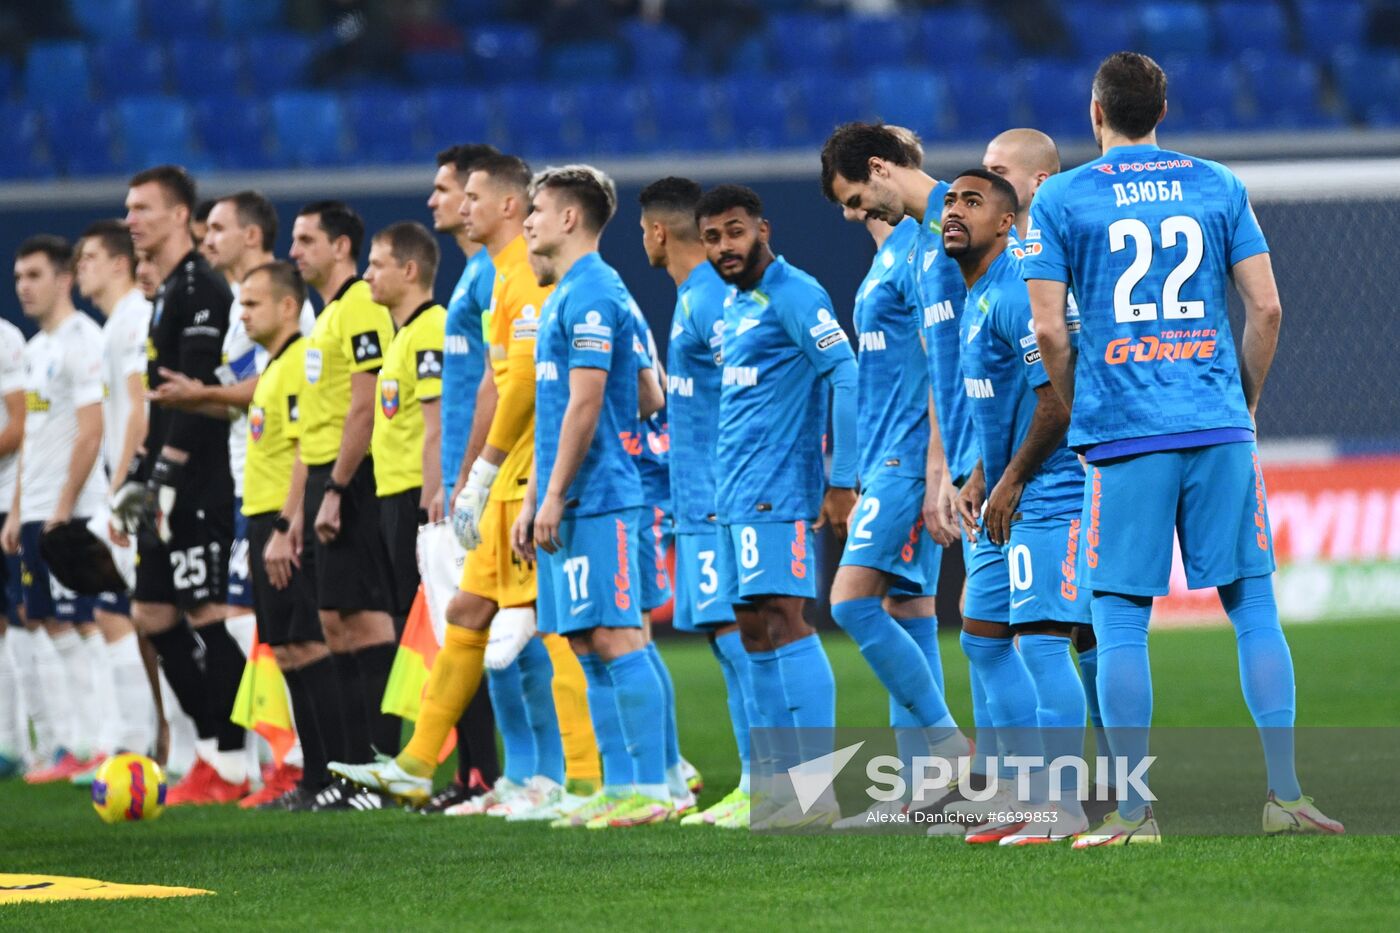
[
  {"x": 656, "y": 575},
  {"x": 768, "y": 559},
  {"x": 10, "y": 590},
  {"x": 240, "y": 577},
  {"x": 45, "y": 597},
  {"x": 1212, "y": 497},
  {"x": 593, "y": 576},
  {"x": 705, "y": 597},
  {"x": 887, "y": 533},
  {"x": 1041, "y": 561},
  {"x": 987, "y": 596},
  {"x": 118, "y": 604}
]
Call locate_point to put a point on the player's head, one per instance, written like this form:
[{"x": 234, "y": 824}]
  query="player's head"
[
  {"x": 199, "y": 220},
  {"x": 859, "y": 165},
  {"x": 668, "y": 216},
  {"x": 239, "y": 224},
  {"x": 734, "y": 233},
  {"x": 105, "y": 258},
  {"x": 325, "y": 234},
  {"x": 43, "y": 275},
  {"x": 403, "y": 259},
  {"x": 978, "y": 210},
  {"x": 147, "y": 275},
  {"x": 496, "y": 198},
  {"x": 1130, "y": 96},
  {"x": 570, "y": 204},
  {"x": 1024, "y": 157},
  {"x": 160, "y": 202},
  {"x": 271, "y": 297},
  {"x": 454, "y": 164}
]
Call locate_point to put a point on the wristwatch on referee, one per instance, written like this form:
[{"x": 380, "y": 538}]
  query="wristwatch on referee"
[
  {"x": 281, "y": 524},
  {"x": 333, "y": 486}
]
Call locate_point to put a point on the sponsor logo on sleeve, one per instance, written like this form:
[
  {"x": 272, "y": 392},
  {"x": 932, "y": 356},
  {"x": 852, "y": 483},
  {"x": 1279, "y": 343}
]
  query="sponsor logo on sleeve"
[
  {"x": 592, "y": 323},
  {"x": 597, "y": 344},
  {"x": 313, "y": 366},
  {"x": 389, "y": 398},
  {"x": 832, "y": 339},
  {"x": 366, "y": 347},
  {"x": 429, "y": 364},
  {"x": 825, "y": 321}
]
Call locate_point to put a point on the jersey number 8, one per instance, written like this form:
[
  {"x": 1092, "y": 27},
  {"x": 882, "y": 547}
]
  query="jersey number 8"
[{"x": 1125, "y": 310}]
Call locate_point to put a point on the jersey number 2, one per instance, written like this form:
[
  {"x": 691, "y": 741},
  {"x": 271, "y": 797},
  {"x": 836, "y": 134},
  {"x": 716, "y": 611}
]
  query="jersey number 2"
[{"x": 1127, "y": 311}]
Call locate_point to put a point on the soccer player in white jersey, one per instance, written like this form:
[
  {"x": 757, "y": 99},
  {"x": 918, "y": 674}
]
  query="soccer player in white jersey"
[
  {"x": 58, "y": 482},
  {"x": 16, "y": 665}
]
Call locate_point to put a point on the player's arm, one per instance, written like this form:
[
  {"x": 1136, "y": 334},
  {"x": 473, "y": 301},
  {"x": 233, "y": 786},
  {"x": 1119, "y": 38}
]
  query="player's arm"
[
  {"x": 1057, "y": 351},
  {"x": 81, "y": 459},
  {"x": 840, "y": 498},
  {"x": 134, "y": 431},
  {"x": 970, "y": 500},
  {"x": 939, "y": 513},
  {"x": 430, "y": 500},
  {"x": 522, "y": 532},
  {"x": 12, "y": 437},
  {"x": 482, "y": 415},
  {"x": 224, "y": 402},
  {"x": 1263, "y": 316},
  {"x": 586, "y": 388},
  {"x": 283, "y": 549},
  {"x": 651, "y": 377},
  {"x": 9, "y": 532},
  {"x": 1049, "y": 422},
  {"x": 200, "y": 354}
]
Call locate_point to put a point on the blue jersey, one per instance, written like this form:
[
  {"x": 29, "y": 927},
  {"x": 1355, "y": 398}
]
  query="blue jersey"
[
  {"x": 587, "y": 323},
  {"x": 893, "y": 377},
  {"x": 942, "y": 293},
  {"x": 780, "y": 338},
  {"x": 1148, "y": 238},
  {"x": 1001, "y": 371},
  {"x": 464, "y": 359},
  {"x": 652, "y": 441},
  {"x": 692, "y": 395}
]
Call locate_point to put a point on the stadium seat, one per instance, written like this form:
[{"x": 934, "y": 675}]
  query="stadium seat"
[
  {"x": 585, "y": 61},
  {"x": 154, "y": 130},
  {"x": 437, "y": 66},
  {"x": 960, "y": 35},
  {"x": 1370, "y": 85},
  {"x": 7, "y": 78},
  {"x": 170, "y": 19},
  {"x": 984, "y": 101},
  {"x": 801, "y": 42},
  {"x": 308, "y": 127},
  {"x": 685, "y": 114},
  {"x": 1287, "y": 92},
  {"x": 747, "y": 56},
  {"x": 656, "y": 48},
  {"x": 614, "y": 128},
  {"x": 1203, "y": 94},
  {"x": 466, "y": 12},
  {"x": 205, "y": 67},
  {"x": 80, "y": 138},
  {"x": 504, "y": 52},
  {"x": 537, "y": 118},
  {"x": 1330, "y": 26},
  {"x": 911, "y": 97},
  {"x": 279, "y": 61},
  {"x": 385, "y": 123},
  {"x": 234, "y": 131},
  {"x": 453, "y": 115},
  {"x": 887, "y": 40},
  {"x": 1168, "y": 29},
  {"x": 762, "y": 111},
  {"x": 1251, "y": 26},
  {"x": 1100, "y": 29},
  {"x": 56, "y": 72},
  {"x": 129, "y": 67},
  {"x": 1057, "y": 95},
  {"x": 107, "y": 19},
  {"x": 21, "y": 156},
  {"x": 829, "y": 100},
  {"x": 243, "y": 17}
]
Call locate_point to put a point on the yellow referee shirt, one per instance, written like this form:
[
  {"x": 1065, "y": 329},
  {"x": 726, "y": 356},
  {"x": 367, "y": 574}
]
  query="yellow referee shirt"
[
  {"x": 273, "y": 429},
  {"x": 510, "y": 327},
  {"x": 411, "y": 375},
  {"x": 350, "y": 336}
]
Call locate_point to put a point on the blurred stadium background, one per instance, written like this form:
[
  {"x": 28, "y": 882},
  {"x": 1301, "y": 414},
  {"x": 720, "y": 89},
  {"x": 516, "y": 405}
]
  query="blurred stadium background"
[{"x": 351, "y": 98}]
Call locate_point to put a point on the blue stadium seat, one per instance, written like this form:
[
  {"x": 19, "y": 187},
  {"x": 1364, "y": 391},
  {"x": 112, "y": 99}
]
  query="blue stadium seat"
[
  {"x": 457, "y": 115},
  {"x": 308, "y": 127},
  {"x": 204, "y": 67},
  {"x": 56, "y": 72},
  {"x": 1057, "y": 95},
  {"x": 585, "y": 61},
  {"x": 1181, "y": 28},
  {"x": 888, "y": 40},
  {"x": 234, "y": 131},
  {"x": 466, "y": 12},
  {"x": 762, "y": 111},
  {"x": 504, "y": 51},
  {"x": 385, "y": 124},
  {"x": 911, "y": 97},
  {"x": 685, "y": 113},
  {"x": 984, "y": 101},
  {"x": 107, "y": 19},
  {"x": 1287, "y": 91},
  {"x": 437, "y": 66},
  {"x": 7, "y": 78},
  {"x": 20, "y": 157},
  {"x": 1099, "y": 29},
  {"x": 1251, "y": 26},
  {"x": 830, "y": 100},
  {"x": 747, "y": 56},
  {"x": 1329, "y": 26},
  {"x": 155, "y": 130},
  {"x": 657, "y": 49},
  {"x": 614, "y": 128},
  {"x": 802, "y": 42},
  {"x": 170, "y": 19},
  {"x": 1370, "y": 84},
  {"x": 963, "y": 32},
  {"x": 129, "y": 67},
  {"x": 537, "y": 118},
  {"x": 279, "y": 61},
  {"x": 80, "y": 138},
  {"x": 1203, "y": 94},
  {"x": 243, "y": 17}
]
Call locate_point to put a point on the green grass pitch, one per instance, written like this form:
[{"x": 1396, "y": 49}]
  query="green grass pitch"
[{"x": 393, "y": 870}]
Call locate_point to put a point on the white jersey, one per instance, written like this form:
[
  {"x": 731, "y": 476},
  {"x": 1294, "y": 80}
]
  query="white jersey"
[
  {"x": 62, "y": 373},
  {"x": 11, "y": 380},
  {"x": 123, "y": 355}
]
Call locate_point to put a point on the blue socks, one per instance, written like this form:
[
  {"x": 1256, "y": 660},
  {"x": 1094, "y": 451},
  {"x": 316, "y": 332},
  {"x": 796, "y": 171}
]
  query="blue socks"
[
  {"x": 1266, "y": 675},
  {"x": 537, "y": 677},
  {"x": 896, "y": 659},
  {"x": 640, "y": 709},
  {"x": 668, "y": 699},
  {"x": 1060, "y": 705},
  {"x": 811, "y": 694},
  {"x": 1089, "y": 673},
  {"x": 770, "y": 712},
  {"x": 924, "y": 631},
  {"x": 1011, "y": 699},
  {"x": 982, "y": 720},
  {"x": 513, "y": 722},
  {"x": 607, "y": 728},
  {"x": 734, "y": 665},
  {"x": 1124, "y": 682}
]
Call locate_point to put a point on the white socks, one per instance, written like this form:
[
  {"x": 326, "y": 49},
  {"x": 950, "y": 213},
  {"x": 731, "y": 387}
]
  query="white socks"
[
  {"x": 132, "y": 725},
  {"x": 55, "y": 706},
  {"x": 84, "y": 726},
  {"x": 10, "y": 746},
  {"x": 180, "y": 758}
]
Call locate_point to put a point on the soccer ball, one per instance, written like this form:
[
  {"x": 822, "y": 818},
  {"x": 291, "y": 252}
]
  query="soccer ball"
[{"x": 128, "y": 787}]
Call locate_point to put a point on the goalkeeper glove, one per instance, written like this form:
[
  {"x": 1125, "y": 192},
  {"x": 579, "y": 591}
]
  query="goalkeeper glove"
[
  {"x": 129, "y": 501},
  {"x": 160, "y": 497},
  {"x": 511, "y": 631},
  {"x": 470, "y": 503}
]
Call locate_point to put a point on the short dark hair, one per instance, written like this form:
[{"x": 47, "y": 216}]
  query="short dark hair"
[
  {"x": 201, "y": 211},
  {"x": 56, "y": 248},
  {"x": 115, "y": 239},
  {"x": 285, "y": 279},
  {"x": 849, "y": 149},
  {"x": 255, "y": 210},
  {"x": 177, "y": 183},
  {"x": 463, "y": 158},
  {"x": 591, "y": 189},
  {"x": 506, "y": 170},
  {"x": 338, "y": 219},
  {"x": 671, "y": 193},
  {"x": 723, "y": 198},
  {"x": 999, "y": 185},
  {"x": 1132, "y": 90},
  {"x": 410, "y": 241}
]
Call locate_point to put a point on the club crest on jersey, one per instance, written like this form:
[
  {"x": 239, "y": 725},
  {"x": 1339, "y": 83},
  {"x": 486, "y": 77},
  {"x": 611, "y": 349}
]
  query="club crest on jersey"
[
  {"x": 593, "y": 324},
  {"x": 825, "y": 322},
  {"x": 748, "y": 323},
  {"x": 256, "y": 420},
  {"x": 367, "y": 347},
  {"x": 293, "y": 409},
  {"x": 389, "y": 398},
  {"x": 429, "y": 364}
]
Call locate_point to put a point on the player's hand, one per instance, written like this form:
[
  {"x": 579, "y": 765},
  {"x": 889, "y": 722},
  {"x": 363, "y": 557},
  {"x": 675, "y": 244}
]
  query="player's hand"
[
  {"x": 522, "y": 532},
  {"x": 940, "y": 516},
  {"x": 328, "y": 518},
  {"x": 128, "y": 507},
  {"x": 547, "y": 521},
  {"x": 9, "y": 534},
  {"x": 837, "y": 505},
  {"x": 160, "y": 496},
  {"x": 117, "y": 535},
  {"x": 969, "y": 505},
  {"x": 297, "y": 533},
  {"x": 61, "y": 515},
  {"x": 433, "y": 506},
  {"x": 280, "y": 557},
  {"x": 470, "y": 502},
  {"x": 1001, "y": 505},
  {"x": 177, "y": 390}
]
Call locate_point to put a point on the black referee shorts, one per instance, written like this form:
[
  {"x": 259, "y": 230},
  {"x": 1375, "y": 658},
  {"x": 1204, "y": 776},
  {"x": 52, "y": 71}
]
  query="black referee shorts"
[
  {"x": 351, "y": 574},
  {"x": 288, "y": 615},
  {"x": 399, "y": 519}
]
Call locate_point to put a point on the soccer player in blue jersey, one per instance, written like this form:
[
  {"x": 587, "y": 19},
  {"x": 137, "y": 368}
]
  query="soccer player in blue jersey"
[
  {"x": 1031, "y": 485},
  {"x": 672, "y": 242},
  {"x": 586, "y": 527},
  {"x": 1162, "y": 409},
  {"x": 784, "y": 355}
]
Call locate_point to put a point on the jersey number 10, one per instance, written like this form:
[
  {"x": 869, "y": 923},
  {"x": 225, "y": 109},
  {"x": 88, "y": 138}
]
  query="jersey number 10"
[{"x": 1127, "y": 311}]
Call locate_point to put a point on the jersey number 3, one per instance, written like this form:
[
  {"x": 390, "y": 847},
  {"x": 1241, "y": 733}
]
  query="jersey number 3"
[{"x": 1127, "y": 311}]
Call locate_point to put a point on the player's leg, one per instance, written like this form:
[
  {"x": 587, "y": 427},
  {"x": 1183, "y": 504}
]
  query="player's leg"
[
  {"x": 58, "y": 653},
  {"x": 656, "y": 592},
  {"x": 135, "y": 723}
]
